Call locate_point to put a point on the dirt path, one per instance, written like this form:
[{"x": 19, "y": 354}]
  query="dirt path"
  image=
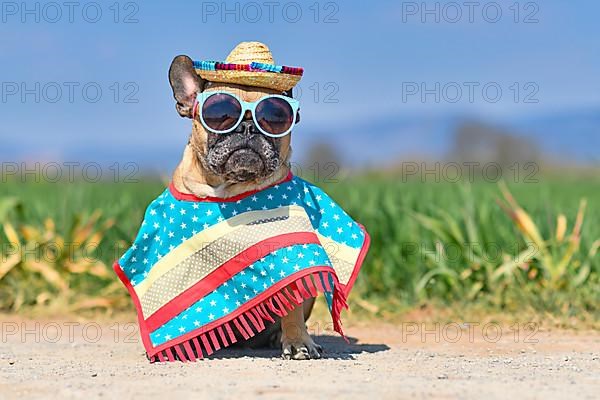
[{"x": 88, "y": 360}]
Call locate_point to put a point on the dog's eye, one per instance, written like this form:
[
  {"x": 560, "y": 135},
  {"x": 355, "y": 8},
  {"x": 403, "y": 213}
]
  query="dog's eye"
[
  {"x": 274, "y": 115},
  {"x": 221, "y": 112}
]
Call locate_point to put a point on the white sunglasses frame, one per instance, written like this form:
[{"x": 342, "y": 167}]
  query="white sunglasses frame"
[{"x": 246, "y": 106}]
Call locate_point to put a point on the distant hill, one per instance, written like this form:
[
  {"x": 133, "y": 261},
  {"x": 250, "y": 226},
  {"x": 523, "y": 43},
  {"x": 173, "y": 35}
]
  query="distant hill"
[
  {"x": 567, "y": 136},
  {"x": 572, "y": 137}
]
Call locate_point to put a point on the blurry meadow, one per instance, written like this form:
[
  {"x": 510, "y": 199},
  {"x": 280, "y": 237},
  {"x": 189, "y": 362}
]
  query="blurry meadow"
[{"x": 516, "y": 249}]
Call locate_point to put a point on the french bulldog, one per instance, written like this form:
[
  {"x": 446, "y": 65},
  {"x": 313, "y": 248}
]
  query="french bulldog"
[{"x": 225, "y": 165}]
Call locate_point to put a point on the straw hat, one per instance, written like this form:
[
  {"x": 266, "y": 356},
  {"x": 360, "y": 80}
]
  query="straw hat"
[{"x": 251, "y": 64}]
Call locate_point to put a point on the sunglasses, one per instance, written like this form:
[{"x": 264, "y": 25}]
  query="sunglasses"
[{"x": 222, "y": 112}]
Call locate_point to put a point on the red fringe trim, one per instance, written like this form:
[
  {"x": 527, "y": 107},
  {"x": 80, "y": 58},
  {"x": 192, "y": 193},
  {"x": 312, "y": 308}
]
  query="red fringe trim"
[
  {"x": 230, "y": 333},
  {"x": 293, "y": 290},
  {"x": 189, "y": 351},
  {"x": 238, "y": 325},
  {"x": 206, "y": 345},
  {"x": 214, "y": 341},
  {"x": 222, "y": 336},
  {"x": 197, "y": 347},
  {"x": 278, "y": 304},
  {"x": 278, "y": 311},
  {"x": 311, "y": 286},
  {"x": 169, "y": 355}
]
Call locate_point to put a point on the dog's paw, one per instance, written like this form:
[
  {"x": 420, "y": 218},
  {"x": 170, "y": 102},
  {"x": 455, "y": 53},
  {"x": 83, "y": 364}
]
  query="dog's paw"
[{"x": 302, "y": 348}]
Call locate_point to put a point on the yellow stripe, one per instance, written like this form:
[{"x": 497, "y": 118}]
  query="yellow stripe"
[
  {"x": 200, "y": 264},
  {"x": 339, "y": 250},
  {"x": 204, "y": 238}
]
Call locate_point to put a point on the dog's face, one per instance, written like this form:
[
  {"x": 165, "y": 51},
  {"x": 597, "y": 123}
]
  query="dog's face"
[{"x": 243, "y": 155}]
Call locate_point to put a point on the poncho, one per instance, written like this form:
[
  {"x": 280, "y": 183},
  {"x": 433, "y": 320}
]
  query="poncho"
[{"x": 203, "y": 272}]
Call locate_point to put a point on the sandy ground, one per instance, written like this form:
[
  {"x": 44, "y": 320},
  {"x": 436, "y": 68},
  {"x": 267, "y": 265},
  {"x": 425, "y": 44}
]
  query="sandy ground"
[{"x": 62, "y": 359}]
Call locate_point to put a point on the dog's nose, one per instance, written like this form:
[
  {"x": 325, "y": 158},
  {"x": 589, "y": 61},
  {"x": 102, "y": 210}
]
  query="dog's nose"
[{"x": 246, "y": 127}]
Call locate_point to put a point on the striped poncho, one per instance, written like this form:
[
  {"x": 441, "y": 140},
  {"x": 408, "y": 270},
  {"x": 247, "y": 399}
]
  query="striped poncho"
[{"x": 204, "y": 271}]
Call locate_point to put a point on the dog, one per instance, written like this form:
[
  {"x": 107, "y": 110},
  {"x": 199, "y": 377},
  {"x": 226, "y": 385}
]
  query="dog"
[
  {"x": 237, "y": 247},
  {"x": 226, "y": 165}
]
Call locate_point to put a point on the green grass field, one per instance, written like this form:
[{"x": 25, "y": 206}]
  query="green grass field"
[{"x": 432, "y": 243}]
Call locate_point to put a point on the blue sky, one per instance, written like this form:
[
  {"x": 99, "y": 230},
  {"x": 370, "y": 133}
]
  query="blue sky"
[{"x": 361, "y": 55}]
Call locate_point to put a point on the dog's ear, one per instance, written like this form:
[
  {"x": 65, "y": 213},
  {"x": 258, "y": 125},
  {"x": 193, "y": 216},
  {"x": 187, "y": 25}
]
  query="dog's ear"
[{"x": 186, "y": 84}]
